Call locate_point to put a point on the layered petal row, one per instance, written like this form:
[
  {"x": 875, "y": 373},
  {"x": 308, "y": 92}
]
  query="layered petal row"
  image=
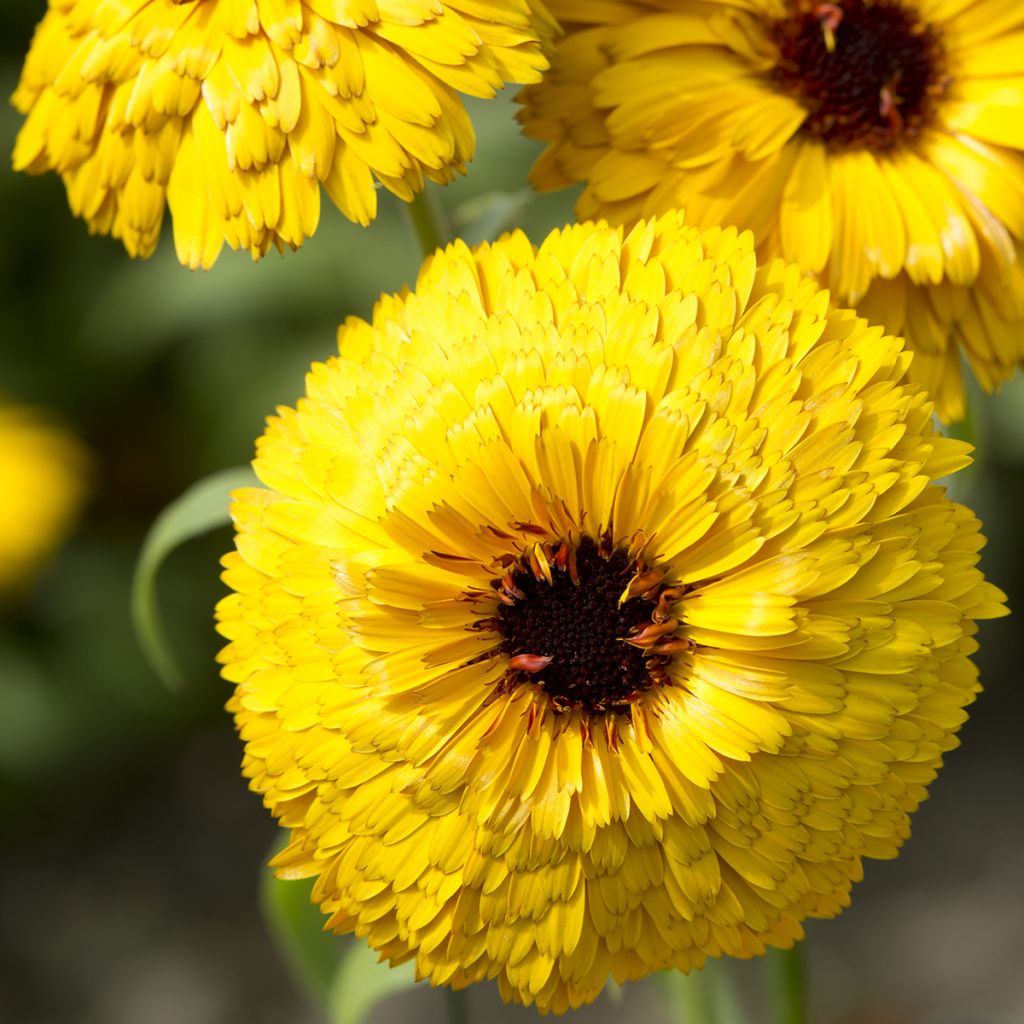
[
  {"x": 876, "y": 144},
  {"x": 643, "y": 429},
  {"x": 235, "y": 113}
]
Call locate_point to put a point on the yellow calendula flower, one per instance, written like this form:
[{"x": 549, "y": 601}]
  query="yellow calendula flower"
[
  {"x": 237, "y": 111},
  {"x": 876, "y": 143},
  {"x": 42, "y": 481},
  {"x": 601, "y": 611}
]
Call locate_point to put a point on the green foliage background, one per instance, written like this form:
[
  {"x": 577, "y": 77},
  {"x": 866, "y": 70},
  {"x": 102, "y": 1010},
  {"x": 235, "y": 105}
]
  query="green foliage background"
[{"x": 131, "y": 849}]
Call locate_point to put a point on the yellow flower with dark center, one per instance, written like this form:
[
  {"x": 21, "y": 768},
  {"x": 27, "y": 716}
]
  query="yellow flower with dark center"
[
  {"x": 601, "y": 611},
  {"x": 237, "y": 111},
  {"x": 42, "y": 480},
  {"x": 876, "y": 143}
]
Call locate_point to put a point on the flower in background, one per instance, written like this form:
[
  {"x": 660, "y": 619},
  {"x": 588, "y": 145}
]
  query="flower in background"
[
  {"x": 42, "y": 480},
  {"x": 601, "y": 611},
  {"x": 237, "y": 111},
  {"x": 877, "y": 144}
]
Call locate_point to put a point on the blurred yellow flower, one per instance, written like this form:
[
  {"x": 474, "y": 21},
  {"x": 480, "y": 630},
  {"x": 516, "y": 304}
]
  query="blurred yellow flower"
[
  {"x": 42, "y": 480},
  {"x": 237, "y": 111},
  {"x": 876, "y": 143},
  {"x": 601, "y": 612}
]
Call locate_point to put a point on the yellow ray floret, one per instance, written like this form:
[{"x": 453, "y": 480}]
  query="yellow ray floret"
[
  {"x": 600, "y": 612},
  {"x": 876, "y": 144},
  {"x": 43, "y": 472},
  {"x": 236, "y": 112}
]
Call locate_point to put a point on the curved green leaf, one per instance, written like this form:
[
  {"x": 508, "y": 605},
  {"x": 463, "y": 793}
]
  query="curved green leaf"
[
  {"x": 361, "y": 981},
  {"x": 297, "y": 927},
  {"x": 341, "y": 974},
  {"x": 203, "y": 507}
]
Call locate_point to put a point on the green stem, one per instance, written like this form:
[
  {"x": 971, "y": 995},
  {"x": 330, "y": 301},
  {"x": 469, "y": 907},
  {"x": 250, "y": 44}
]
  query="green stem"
[
  {"x": 429, "y": 222},
  {"x": 458, "y": 1006},
  {"x": 789, "y": 977},
  {"x": 972, "y": 429},
  {"x": 690, "y": 997}
]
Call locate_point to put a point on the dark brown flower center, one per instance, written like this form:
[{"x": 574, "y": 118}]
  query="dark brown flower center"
[
  {"x": 587, "y": 622},
  {"x": 868, "y": 73}
]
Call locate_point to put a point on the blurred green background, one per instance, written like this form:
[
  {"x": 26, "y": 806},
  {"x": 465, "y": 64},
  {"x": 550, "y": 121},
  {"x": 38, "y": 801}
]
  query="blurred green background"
[{"x": 132, "y": 850}]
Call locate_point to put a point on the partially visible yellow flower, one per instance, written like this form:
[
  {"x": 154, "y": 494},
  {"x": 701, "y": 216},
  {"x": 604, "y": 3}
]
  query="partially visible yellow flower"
[
  {"x": 601, "y": 611},
  {"x": 877, "y": 143},
  {"x": 42, "y": 483},
  {"x": 237, "y": 111}
]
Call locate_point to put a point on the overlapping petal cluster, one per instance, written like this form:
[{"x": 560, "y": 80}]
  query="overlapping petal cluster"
[
  {"x": 877, "y": 144},
  {"x": 650, "y": 407},
  {"x": 236, "y": 112},
  {"x": 42, "y": 480}
]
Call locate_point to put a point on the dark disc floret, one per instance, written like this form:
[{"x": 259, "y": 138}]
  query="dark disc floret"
[
  {"x": 868, "y": 73},
  {"x": 568, "y": 629}
]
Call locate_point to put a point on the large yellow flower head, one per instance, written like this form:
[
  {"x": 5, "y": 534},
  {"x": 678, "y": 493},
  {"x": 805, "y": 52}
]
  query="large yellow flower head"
[
  {"x": 237, "y": 111},
  {"x": 601, "y": 611},
  {"x": 876, "y": 143},
  {"x": 42, "y": 483}
]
